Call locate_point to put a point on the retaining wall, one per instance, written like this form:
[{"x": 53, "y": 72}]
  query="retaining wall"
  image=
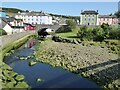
[{"x": 7, "y": 39}]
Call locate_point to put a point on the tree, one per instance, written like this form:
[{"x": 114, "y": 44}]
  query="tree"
[
  {"x": 117, "y": 14},
  {"x": 2, "y": 32},
  {"x": 71, "y": 23}
]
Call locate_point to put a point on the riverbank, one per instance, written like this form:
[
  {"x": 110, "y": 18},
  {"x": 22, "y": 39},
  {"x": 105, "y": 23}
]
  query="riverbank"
[
  {"x": 93, "y": 62},
  {"x": 11, "y": 79}
]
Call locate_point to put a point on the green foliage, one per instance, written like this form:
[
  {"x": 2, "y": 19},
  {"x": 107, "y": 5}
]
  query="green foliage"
[
  {"x": 114, "y": 34},
  {"x": 98, "y": 33},
  {"x": 64, "y": 28},
  {"x": 31, "y": 63},
  {"x": 65, "y": 16},
  {"x": 117, "y": 14},
  {"x": 71, "y": 23},
  {"x": 12, "y": 10},
  {"x": 2, "y": 32}
]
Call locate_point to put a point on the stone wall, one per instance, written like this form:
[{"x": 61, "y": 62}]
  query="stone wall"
[
  {"x": 54, "y": 27},
  {"x": 7, "y": 39}
]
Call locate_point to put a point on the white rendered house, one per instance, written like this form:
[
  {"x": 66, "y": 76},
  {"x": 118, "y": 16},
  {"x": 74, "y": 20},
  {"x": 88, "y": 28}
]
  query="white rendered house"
[{"x": 35, "y": 18}]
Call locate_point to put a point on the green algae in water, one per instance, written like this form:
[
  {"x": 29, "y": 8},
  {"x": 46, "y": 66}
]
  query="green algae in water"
[
  {"x": 21, "y": 85},
  {"x": 31, "y": 63},
  {"x": 19, "y": 77}
]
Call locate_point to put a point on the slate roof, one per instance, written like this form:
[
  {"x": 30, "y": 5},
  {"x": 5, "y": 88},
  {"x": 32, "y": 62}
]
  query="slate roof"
[
  {"x": 11, "y": 19},
  {"x": 89, "y": 12},
  {"x": 3, "y": 23},
  {"x": 33, "y": 14},
  {"x": 28, "y": 24},
  {"x": 107, "y": 16}
]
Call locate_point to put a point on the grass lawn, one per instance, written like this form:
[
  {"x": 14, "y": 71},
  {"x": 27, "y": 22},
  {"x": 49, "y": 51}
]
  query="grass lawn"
[{"x": 70, "y": 35}]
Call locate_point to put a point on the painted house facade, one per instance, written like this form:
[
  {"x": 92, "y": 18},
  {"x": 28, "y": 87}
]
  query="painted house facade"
[
  {"x": 5, "y": 26},
  {"x": 110, "y": 20},
  {"x": 35, "y": 17},
  {"x": 15, "y": 24},
  {"x": 89, "y": 17},
  {"x": 2, "y": 13},
  {"x": 28, "y": 26}
]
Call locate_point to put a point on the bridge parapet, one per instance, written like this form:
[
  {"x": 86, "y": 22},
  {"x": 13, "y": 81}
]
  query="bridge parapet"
[{"x": 54, "y": 27}]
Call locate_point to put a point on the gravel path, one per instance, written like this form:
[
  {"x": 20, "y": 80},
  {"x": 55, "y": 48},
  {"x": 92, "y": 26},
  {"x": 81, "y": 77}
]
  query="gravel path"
[{"x": 92, "y": 62}]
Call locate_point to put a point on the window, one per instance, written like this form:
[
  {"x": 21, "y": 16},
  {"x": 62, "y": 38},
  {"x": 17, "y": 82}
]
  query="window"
[
  {"x": 89, "y": 19},
  {"x": 93, "y": 15}
]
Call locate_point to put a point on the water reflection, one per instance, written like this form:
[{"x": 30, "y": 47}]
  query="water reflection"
[
  {"x": 30, "y": 43},
  {"x": 53, "y": 77}
]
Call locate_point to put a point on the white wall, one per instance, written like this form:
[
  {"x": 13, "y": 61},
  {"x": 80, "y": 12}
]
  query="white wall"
[
  {"x": 8, "y": 29},
  {"x": 35, "y": 19}
]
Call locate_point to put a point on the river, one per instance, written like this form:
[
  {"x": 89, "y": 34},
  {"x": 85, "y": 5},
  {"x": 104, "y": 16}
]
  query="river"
[{"x": 53, "y": 77}]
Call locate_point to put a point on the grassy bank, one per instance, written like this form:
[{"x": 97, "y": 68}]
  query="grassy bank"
[
  {"x": 70, "y": 35},
  {"x": 15, "y": 45},
  {"x": 112, "y": 44},
  {"x": 92, "y": 62},
  {"x": 11, "y": 79}
]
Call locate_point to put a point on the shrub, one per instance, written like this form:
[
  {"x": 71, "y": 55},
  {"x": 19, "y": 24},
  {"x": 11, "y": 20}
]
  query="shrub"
[
  {"x": 98, "y": 33},
  {"x": 64, "y": 28},
  {"x": 85, "y": 33},
  {"x": 71, "y": 23},
  {"x": 114, "y": 34},
  {"x": 2, "y": 32}
]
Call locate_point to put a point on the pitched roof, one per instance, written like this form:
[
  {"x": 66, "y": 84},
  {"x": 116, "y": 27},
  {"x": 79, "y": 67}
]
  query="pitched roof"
[
  {"x": 17, "y": 26},
  {"x": 3, "y": 23},
  {"x": 89, "y": 12},
  {"x": 107, "y": 16},
  {"x": 33, "y": 14},
  {"x": 28, "y": 24}
]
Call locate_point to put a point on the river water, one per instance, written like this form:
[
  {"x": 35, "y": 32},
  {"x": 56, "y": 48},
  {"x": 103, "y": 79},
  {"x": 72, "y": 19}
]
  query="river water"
[{"x": 52, "y": 77}]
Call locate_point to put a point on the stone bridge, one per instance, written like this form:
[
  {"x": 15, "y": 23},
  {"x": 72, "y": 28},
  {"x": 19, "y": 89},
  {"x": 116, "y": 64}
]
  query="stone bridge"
[{"x": 54, "y": 27}]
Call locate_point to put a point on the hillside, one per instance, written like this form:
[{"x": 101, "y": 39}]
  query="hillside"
[
  {"x": 65, "y": 16},
  {"x": 12, "y": 11}
]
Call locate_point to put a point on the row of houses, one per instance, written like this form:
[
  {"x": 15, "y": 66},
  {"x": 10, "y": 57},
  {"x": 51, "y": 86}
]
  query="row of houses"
[
  {"x": 35, "y": 17},
  {"x": 91, "y": 17},
  {"x": 13, "y": 25}
]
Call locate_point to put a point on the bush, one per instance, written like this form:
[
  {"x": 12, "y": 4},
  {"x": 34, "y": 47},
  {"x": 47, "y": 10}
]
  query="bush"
[
  {"x": 2, "y": 32},
  {"x": 98, "y": 33},
  {"x": 64, "y": 28},
  {"x": 114, "y": 34},
  {"x": 85, "y": 33},
  {"x": 71, "y": 23}
]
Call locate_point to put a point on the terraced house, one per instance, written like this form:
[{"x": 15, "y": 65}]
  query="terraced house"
[
  {"x": 89, "y": 17},
  {"x": 33, "y": 18},
  {"x": 108, "y": 19}
]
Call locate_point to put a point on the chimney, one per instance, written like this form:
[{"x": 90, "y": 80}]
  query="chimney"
[{"x": 97, "y": 10}]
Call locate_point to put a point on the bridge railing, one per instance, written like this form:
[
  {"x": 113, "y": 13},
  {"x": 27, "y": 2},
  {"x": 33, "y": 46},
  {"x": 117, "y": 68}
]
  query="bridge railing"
[{"x": 7, "y": 39}]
